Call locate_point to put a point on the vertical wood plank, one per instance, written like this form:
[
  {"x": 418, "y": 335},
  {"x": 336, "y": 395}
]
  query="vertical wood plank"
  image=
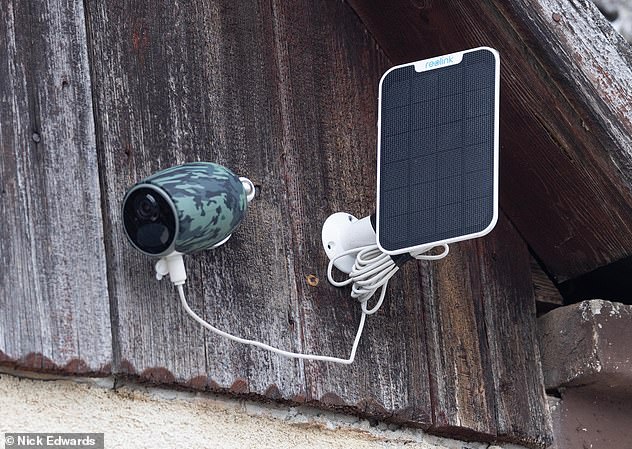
[
  {"x": 187, "y": 82},
  {"x": 329, "y": 70},
  {"x": 486, "y": 374},
  {"x": 54, "y": 311},
  {"x": 461, "y": 379},
  {"x": 511, "y": 335}
]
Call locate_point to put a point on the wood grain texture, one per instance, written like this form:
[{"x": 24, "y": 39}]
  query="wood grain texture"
[
  {"x": 462, "y": 382},
  {"x": 179, "y": 84},
  {"x": 480, "y": 315},
  {"x": 565, "y": 115},
  {"x": 286, "y": 94},
  {"x": 511, "y": 333},
  {"x": 54, "y": 311},
  {"x": 328, "y": 79},
  {"x": 546, "y": 292}
]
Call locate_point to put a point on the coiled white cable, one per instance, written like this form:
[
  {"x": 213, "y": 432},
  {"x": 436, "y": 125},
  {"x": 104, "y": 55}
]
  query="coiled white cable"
[{"x": 372, "y": 270}]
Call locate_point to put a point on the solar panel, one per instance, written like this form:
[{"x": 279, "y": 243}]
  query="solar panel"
[{"x": 438, "y": 151}]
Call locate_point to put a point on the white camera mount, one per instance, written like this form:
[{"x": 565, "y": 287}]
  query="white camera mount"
[{"x": 343, "y": 232}]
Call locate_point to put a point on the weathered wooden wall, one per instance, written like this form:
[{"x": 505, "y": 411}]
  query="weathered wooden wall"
[
  {"x": 54, "y": 309},
  {"x": 286, "y": 94}
]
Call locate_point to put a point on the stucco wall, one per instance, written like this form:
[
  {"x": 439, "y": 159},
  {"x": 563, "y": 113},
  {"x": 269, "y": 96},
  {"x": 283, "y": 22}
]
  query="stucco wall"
[{"x": 139, "y": 417}]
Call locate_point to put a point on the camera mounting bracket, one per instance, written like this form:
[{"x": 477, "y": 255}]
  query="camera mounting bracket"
[
  {"x": 343, "y": 232},
  {"x": 249, "y": 187}
]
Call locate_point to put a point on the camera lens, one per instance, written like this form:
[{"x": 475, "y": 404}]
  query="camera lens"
[
  {"x": 149, "y": 219},
  {"x": 147, "y": 208}
]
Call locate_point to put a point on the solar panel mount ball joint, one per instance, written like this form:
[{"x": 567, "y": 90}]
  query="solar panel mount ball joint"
[{"x": 341, "y": 233}]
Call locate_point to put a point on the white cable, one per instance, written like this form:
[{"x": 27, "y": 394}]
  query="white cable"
[
  {"x": 372, "y": 269},
  {"x": 295, "y": 355}
]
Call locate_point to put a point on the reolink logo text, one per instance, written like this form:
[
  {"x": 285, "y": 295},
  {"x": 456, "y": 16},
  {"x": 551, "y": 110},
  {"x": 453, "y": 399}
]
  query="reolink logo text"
[{"x": 438, "y": 62}]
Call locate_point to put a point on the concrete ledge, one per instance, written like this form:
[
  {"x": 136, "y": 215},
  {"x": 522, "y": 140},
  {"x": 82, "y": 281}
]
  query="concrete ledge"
[
  {"x": 139, "y": 417},
  {"x": 589, "y": 343}
]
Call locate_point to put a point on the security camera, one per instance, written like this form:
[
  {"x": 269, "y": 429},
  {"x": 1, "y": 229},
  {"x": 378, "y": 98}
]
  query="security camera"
[{"x": 186, "y": 208}]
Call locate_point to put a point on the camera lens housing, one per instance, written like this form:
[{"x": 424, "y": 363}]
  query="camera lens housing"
[
  {"x": 185, "y": 208},
  {"x": 150, "y": 220}
]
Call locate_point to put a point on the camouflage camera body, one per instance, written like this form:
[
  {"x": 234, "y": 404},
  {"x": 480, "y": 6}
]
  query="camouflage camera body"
[{"x": 199, "y": 205}]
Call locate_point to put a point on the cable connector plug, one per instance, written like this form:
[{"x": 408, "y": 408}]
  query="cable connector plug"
[{"x": 173, "y": 266}]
